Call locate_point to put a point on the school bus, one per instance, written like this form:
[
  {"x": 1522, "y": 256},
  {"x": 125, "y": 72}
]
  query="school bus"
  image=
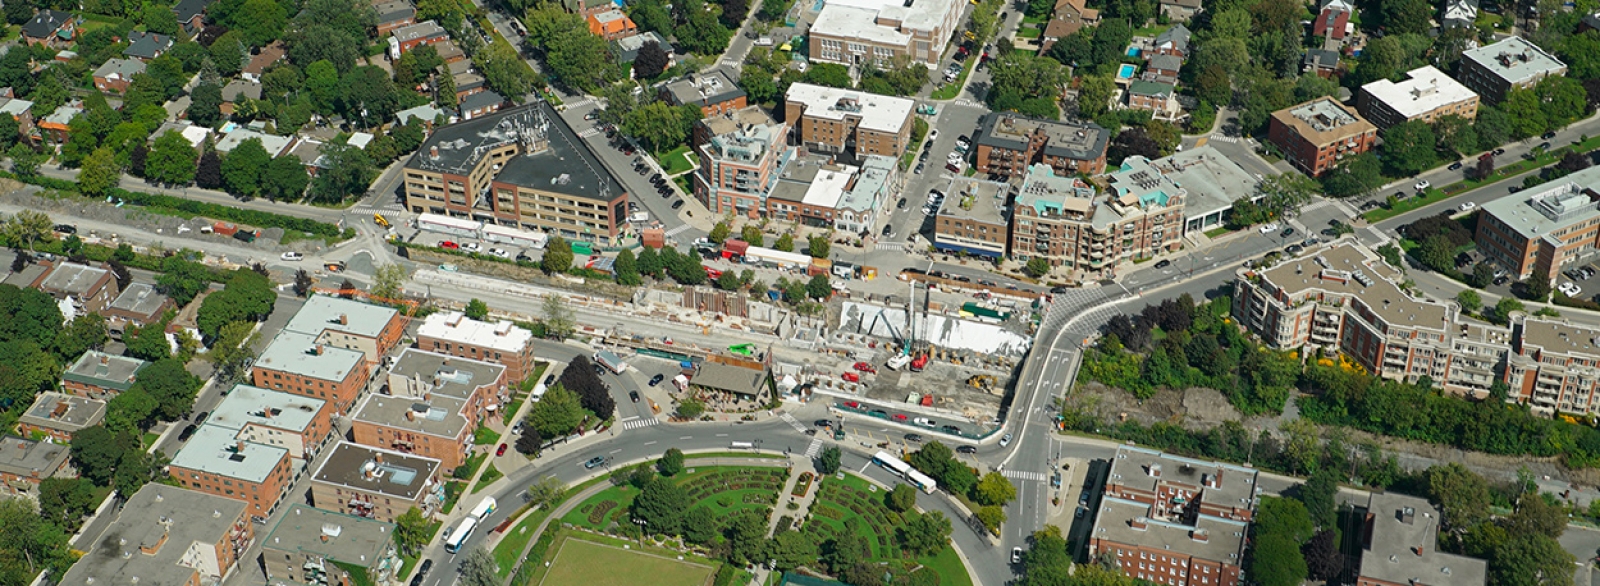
[{"x": 380, "y": 220}]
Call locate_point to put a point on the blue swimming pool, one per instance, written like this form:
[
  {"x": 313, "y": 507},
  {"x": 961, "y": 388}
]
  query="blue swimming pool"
[
  {"x": 1126, "y": 71},
  {"x": 1134, "y": 51}
]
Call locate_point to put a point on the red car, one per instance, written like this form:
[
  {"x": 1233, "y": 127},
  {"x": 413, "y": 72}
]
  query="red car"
[
  {"x": 865, "y": 367},
  {"x": 501, "y": 451},
  {"x": 449, "y": 245},
  {"x": 852, "y": 405},
  {"x": 712, "y": 273},
  {"x": 899, "y": 417},
  {"x": 852, "y": 377}
]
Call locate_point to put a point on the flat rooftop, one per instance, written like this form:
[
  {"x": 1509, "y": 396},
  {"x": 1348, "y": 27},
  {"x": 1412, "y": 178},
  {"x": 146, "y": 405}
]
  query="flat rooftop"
[
  {"x": 727, "y": 377},
  {"x": 853, "y": 22},
  {"x": 502, "y": 336},
  {"x": 214, "y": 449},
  {"x": 975, "y": 199},
  {"x": 1084, "y": 142},
  {"x": 877, "y": 113},
  {"x": 139, "y": 299},
  {"x": 1224, "y": 537},
  {"x": 104, "y": 370},
  {"x": 336, "y": 536},
  {"x": 428, "y": 393},
  {"x": 248, "y": 405},
  {"x": 1561, "y": 337},
  {"x": 1380, "y": 294},
  {"x": 328, "y": 312},
  {"x": 1237, "y": 488},
  {"x": 1053, "y": 195},
  {"x": 829, "y": 185},
  {"x": 1426, "y": 89},
  {"x": 175, "y": 519},
  {"x": 1214, "y": 181},
  {"x": 63, "y": 411},
  {"x": 913, "y": 15},
  {"x": 300, "y": 353},
  {"x": 872, "y": 179},
  {"x": 562, "y": 163},
  {"x": 378, "y": 471},
  {"x": 1514, "y": 59},
  {"x": 1323, "y": 120},
  {"x": 25, "y": 457},
  {"x": 1541, "y": 211},
  {"x": 1401, "y": 523},
  {"x": 709, "y": 87},
  {"x": 70, "y": 278}
]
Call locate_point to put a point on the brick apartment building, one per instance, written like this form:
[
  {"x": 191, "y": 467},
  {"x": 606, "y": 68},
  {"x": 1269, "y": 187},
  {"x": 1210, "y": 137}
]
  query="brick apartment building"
[
  {"x": 215, "y": 461},
  {"x": 434, "y": 405},
  {"x": 1539, "y": 232},
  {"x": 296, "y": 362},
  {"x": 90, "y": 289},
  {"x": 1495, "y": 69},
  {"x": 137, "y": 306},
  {"x": 1316, "y": 135},
  {"x": 1426, "y": 95},
  {"x": 313, "y": 546},
  {"x": 24, "y": 463},
  {"x": 714, "y": 91},
  {"x": 1400, "y": 546},
  {"x": 97, "y": 375},
  {"x": 167, "y": 535},
  {"x": 972, "y": 220},
  {"x": 742, "y": 155},
  {"x": 848, "y": 122},
  {"x": 302, "y": 425},
  {"x": 1007, "y": 144},
  {"x": 454, "y": 334},
  {"x": 377, "y": 484},
  {"x": 60, "y": 415},
  {"x": 373, "y": 330}
]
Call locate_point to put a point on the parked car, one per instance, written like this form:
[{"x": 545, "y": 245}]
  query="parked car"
[
  {"x": 1269, "y": 228},
  {"x": 66, "y": 228},
  {"x": 500, "y": 252},
  {"x": 1498, "y": 152},
  {"x": 1294, "y": 249},
  {"x": 1287, "y": 232},
  {"x": 1501, "y": 281},
  {"x": 967, "y": 449},
  {"x": 1016, "y": 555},
  {"x": 292, "y": 256},
  {"x": 823, "y": 423},
  {"x": 1467, "y": 206},
  {"x": 188, "y": 430},
  {"x": 1456, "y": 166},
  {"x": 472, "y": 247},
  {"x": 888, "y": 230},
  {"x": 1570, "y": 289},
  {"x": 656, "y": 380},
  {"x": 500, "y": 451},
  {"x": 1005, "y": 440},
  {"x": 932, "y": 135},
  {"x": 449, "y": 245},
  {"x": 866, "y": 367},
  {"x": 920, "y": 167},
  {"x": 677, "y": 204},
  {"x": 1163, "y": 263},
  {"x": 1548, "y": 135},
  {"x": 852, "y": 377},
  {"x": 914, "y": 438},
  {"x": 951, "y": 167},
  {"x": 1544, "y": 146},
  {"x": 1423, "y": 184}
]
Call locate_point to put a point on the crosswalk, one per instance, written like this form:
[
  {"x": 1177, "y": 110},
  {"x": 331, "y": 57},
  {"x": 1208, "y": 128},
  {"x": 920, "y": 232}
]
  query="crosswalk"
[
  {"x": 1220, "y": 138},
  {"x": 816, "y": 446},
  {"x": 730, "y": 62},
  {"x": 891, "y": 246},
  {"x": 679, "y": 229},
  {"x": 789, "y": 419},
  {"x": 586, "y": 133},
  {"x": 579, "y": 103},
  {"x": 1021, "y": 475},
  {"x": 638, "y": 422}
]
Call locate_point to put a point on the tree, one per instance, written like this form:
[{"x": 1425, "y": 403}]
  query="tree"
[
  {"x": 650, "y": 262},
  {"x": 558, "y": 322},
  {"x": 229, "y": 352},
  {"x": 1322, "y": 557},
  {"x": 241, "y": 169},
  {"x": 557, "y": 256},
  {"x": 828, "y": 460},
  {"x": 903, "y": 498},
  {"x": 579, "y": 59},
  {"x": 556, "y": 414},
  {"x": 849, "y": 548},
  {"x": 1094, "y": 96},
  {"x": 411, "y": 531},
  {"x": 1276, "y": 561},
  {"x": 477, "y": 309},
  {"x": 1536, "y": 559},
  {"x": 205, "y": 106},
  {"x": 34, "y": 545},
  {"x": 1286, "y": 192},
  {"x": 171, "y": 160},
  {"x": 660, "y": 506},
  {"x": 1409, "y": 148},
  {"x": 627, "y": 268},
  {"x": 994, "y": 489},
  {"x": 690, "y": 408},
  {"x": 1573, "y": 162},
  {"x": 209, "y": 174},
  {"x": 29, "y": 227},
  {"x": 818, "y": 246},
  {"x": 747, "y": 534},
  {"x": 1134, "y": 142},
  {"x": 650, "y": 61},
  {"x": 671, "y": 463},
  {"x": 388, "y": 281},
  {"x": 658, "y": 125},
  {"x": 785, "y": 243},
  {"x": 700, "y": 526},
  {"x": 1469, "y": 299},
  {"x": 992, "y": 517},
  {"x": 529, "y": 443},
  {"x": 137, "y": 159},
  {"x": 1319, "y": 493},
  {"x": 479, "y": 568},
  {"x": 719, "y": 232},
  {"x": 347, "y": 172},
  {"x": 85, "y": 332},
  {"x": 1462, "y": 495},
  {"x": 1037, "y": 267},
  {"x": 925, "y": 534},
  {"x": 99, "y": 172},
  {"x": 547, "y": 492},
  {"x": 19, "y": 12},
  {"x": 24, "y": 160},
  {"x": 65, "y": 501},
  {"x": 1536, "y": 288},
  {"x": 284, "y": 179},
  {"x": 1437, "y": 253},
  {"x": 170, "y": 385}
]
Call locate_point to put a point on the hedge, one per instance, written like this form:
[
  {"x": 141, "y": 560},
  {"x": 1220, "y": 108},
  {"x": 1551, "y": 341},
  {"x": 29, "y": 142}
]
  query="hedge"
[{"x": 254, "y": 218}]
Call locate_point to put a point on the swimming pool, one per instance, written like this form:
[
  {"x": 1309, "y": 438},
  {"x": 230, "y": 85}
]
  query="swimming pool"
[
  {"x": 1126, "y": 71},
  {"x": 1134, "y": 51}
]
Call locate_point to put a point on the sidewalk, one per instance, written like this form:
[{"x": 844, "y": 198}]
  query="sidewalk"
[{"x": 804, "y": 466}]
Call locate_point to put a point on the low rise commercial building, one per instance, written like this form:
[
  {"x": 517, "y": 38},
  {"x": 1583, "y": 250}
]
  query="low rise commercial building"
[
  {"x": 519, "y": 168},
  {"x": 729, "y": 378},
  {"x": 216, "y": 461},
  {"x": 500, "y": 342},
  {"x": 1007, "y": 144},
  {"x": 373, "y": 330},
  {"x": 1425, "y": 96},
  {"x": 811, "y": 194},
  {"x": 1174, "y": 520},
  {"x": 313, "y": 546},
  {"x": 875, "y": 32},
  {"x": 867, "y": 198},
  {"x": 98, "y": 375},
  {"x": 742, "y": 155},
  {"x": 1400, "y": 546},
  {"x": 24, "y": 463},
  {"x": 973, "y": 220},
  {"x": 167, "y": 535},
  {"x": 1316, "y": 135},
  {"x": 296, "y": 362},
  {"x": 60, "y": 415},
  {"x": 1495, "y": 69},
  {"x": 302, "y": 425},
  {"x": 373, "y": 483},
  {"x": 1540, "y": 231},
  {"x": 714, "y": 91},
  {"x": 434, "y": 404},
  {"x": 848, "y": 122}
]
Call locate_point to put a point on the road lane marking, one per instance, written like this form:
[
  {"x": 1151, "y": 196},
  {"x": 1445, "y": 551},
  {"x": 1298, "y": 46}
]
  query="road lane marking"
[
  {"x": 650, "y": 443},
  {"x": 615, "y": 451},
  {"x": 722, "y": 435},
  {"x": 682, "y": 438}
]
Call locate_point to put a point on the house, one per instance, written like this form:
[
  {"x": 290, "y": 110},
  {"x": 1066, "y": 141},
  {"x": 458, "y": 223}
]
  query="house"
[
  {"x": 374, "y": 483},
  {"x": 88, "y": 289},
  {"x": 51, "y": 28},
  {"x": 428, "y": 114},
  {"x": 1316, "y": 135},
  {"x": 21, "y": 111},
  {"x": 298, "y": 363},
  {"x": 468, "y": 83},
  {"x": 611, "y": 25},
  {"x": 1161, "y": 99},
  {"x": 261, "y": 59},
  {"x": 313, "y": 546},
  {"x": 810, "y": 193},
  {"x": 449, "y": 52},
  {"x": 60, "y": 415},
  {"x": 584, "y": 8},
  {"x": 393, "y": 14},
  {"x": 714, "y": 91},
  {"x": 1180, "y": 10},
  {"x": 57, "y": 126},
  {"x": 115, "y": 75},
  {"x": 146, "y": 46},
  {"x": 1163, "y": 67},
  {"x": 434, "y": 405},
  {"x": 191, "y": 15},
  {"x": 481, "y": 104},
  {"x": 627, "y": 48},
  {"x": 309, "y": 151},
  {"x": 1322, "y": 62},
  {"x": 236, "y": 91},
  {"x": 167, "y": 535},
  {"x": 1460, "y": 13},
  {"x": 138, "y": 305},
  {"x": 501, "y": 342},
  {"x": 1173, "y": 41},
  {"x": 1333, "y": 21},
  {"x": 24, "y": 463},
  {"x": 1069, "y": 17},
  {"x": 196, "y": 135},
  {"x": 423, "y": 33},
  {"x": 1400, "y": 546},
  {"x": 97, "y": 375},
  {"x": 275, "y": 145}
]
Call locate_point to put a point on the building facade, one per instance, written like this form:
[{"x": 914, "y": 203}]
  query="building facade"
[
  {"x": 848, "y": 122},
  {"x": 1555, "y": 367},
  {"x": 1494, "y": 70},
  {"x": 215, "y": 461},
  {"x": 875, "y": 32},
  {"x": 1317, "y": 135},
  {"x": 973, "y": 220},
  {"x": 297, "y": 363},
  {"x": 742, "y": 155},
  {"x": 1536, "y": 233},
  {"x": 453, "y": 333},
  {"x": 372, "y": 483},
  {"x": 434, "y": 405},
  {"x": 1007, "y": 144},
  {"x": 1174, "y": 520},
  {"x": 167, "y": 535},
  {"x": 313, "y": 546},
  {"x": 714, "y": 91},
  {"x": 60, "y": 415},
  {"x": 1426, "y": 95}
]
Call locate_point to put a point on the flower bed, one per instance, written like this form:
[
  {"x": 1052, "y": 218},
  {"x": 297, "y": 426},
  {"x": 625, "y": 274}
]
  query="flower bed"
[{"x": 803, "y": 484}]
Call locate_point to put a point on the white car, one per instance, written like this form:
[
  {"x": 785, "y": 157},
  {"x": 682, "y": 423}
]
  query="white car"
[
  {"x": 1016, "y": 555},
  {"x": 1423, "y": 184},
  {"x": 1570, "y": 289},
  {"x": 1467, "y": 207},
  {"x": 292, "y": 256},
  {"x": 932, "y": 134},
  {"x": 1269, "y": 228},
  {"x": 472, "y": 247},
  {"x": 500, "y": 252}
]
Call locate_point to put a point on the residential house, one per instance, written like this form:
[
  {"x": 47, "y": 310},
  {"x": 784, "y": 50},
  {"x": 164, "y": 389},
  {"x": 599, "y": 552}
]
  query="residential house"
[
  {"x": 166, "y": 535},
  {"x": 25, "y": 463},
  {"x": 392, "y": 15},
  {"x": 423, "y": 33},
  {"x": 502, "y": 342},
  {"x": 586, "y": 7},
  {"x": 1008, "y": 143},
  {"x": 449, "y": 52},
  {"x": 1163, "y": 67},
  {"x": 88, "y": 289},
  {"x": 1460, "y": 14},
  {"x": 146, "y": 46},
  {"x": 1174, "y": 41},
  {"x": 1069, "y": 17},
  {"x": 1333, "y": 21},
  {"x": 97, "y": 375},
  {"x": 313, "y": 546},
  {"x": 19, "y": 110},
  {"x": 191, "y": 15},
  {"x": 714, "y": 91},
  {"x": 627, "y": 48},
  {"x": 262, "y": 59},
  {"x": 275, "y": 145},
  {"x": 377, "y": 484},
  {"x": 1180, "y": 10},
  {"x": 60, "y": 416},
  {"x": 611, "y": 25},
  {"x": 115, "y": 75},
  {"x": 1316, "y": 135},
  {"x": 1320, "y": 62},
  {"x": 236, "y": 91},
  {"x": 57, "y": 126},
  {"x": 137, "y": 306},
  {"x": 51, "y": 28},
  {"x": 481, "y": 104},
  {"x": 434, "y": 405},
  {"x": 1161, "y": 99}
]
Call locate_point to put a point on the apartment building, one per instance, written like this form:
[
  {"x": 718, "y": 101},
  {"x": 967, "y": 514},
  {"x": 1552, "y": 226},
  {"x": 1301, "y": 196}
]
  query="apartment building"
[
  {"x": 412, "y": 36},
  {"x": 875, "y": 184},
  {"x": 377, "y": 484},
  {"x": 25, "y": 463},
  {"x": 501, "y": 342},
  {"x": 1400, "y": 546},
  {"x": 97, "y": 375},
  {"x": 372, "y": 330},
  {"x": 295, "y": 362},
  {"x": 1007, "y": 144},
  {"x": 848, "y": 122},
  {"x": 1538, "y": 232},
  {"x": 216, "y": 461},
  {"x": 863, "y": 32},
  {"x": 1064, "y": 221},
  {"x": 60, "y": 415},
  {"x": 302, "y": 425},
  {"x": 1555, "y": 366},
  {"x": 89, "y": 289},
  {"x": 167, "y": 535},
  {"x": 520, "y": 168},
  {"x": 434, "y": 404},
  {"x": 1316, "y": 135},
  {"x": 973, "y": 220},
  {"x": 714, "y": 91},
  {"x": 392, "y": 15},
  {"x": 1174, "y": 520},
  {"x": 1344, "y": 297},
  {"x": 1425, "y": 95},
  {"x": 742, "y": 155},
  {"x": 313, "y": 546},
  {"x": 137, "y": 306},
  {"x": 1494, "y": 69}
]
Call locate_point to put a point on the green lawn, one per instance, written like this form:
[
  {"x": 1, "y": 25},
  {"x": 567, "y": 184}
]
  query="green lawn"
[
  {"x": 854, "y": 497},
  {"x": 951, "y": 90},
  {"x": 1028, "y": 32},
  {"x": 1035, "y": 19},
  {"x": 725, "y": 490},
  {"x": 507, "y": 552},
  {"x": 1437, "y": 194},
  {"x": 484, "y": 436},
  {"x": 1151, "y": 31},
  {"x": 490, "y": 475},
  {"x": 583, "y": 563},
  {"x": 949, "y": 568},
  {"x": 1217, "y": 231},
  {"x": 525, "y": 388},
  {"x": 677, "y": 160},
  {"x": 452, "y": 495}
]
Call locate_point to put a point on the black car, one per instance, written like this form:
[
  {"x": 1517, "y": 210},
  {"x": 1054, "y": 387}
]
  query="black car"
[
  {"x": 1502, "y": 280},
  {"x": 1294, "y": 249},
  {"x": 1456, "y": 166},
  {"x": 1548, "y": 135},
  {"x": 188, "y": 430},
  {"x": 920, "y": 167},
  {"x": 655, "y": 178},
  {"x": 887, "y": 230},
  {"x": 911, "y": 437},
  {"x": 677, "y": 204},
  {"x": 1058, "y": 290},
  {"x": 66, "y": 228},
  {"x": 823, "y": 423},
  {"x": 1161, "y": 264},
  {"x": 634, "y": 395},
  {"x": 656, "y": 380},
  {"x": 1498, "y": 152},
  {"x": 950, "y": 429},
  {"x": 422, "y": 572},
  {"x": 202, "y": 416},
  {"x": 1514, "y": 189},
  {"x": 523, "y": 257},
  {"x": 967, "y": 449},
  {"x": 548, "y": 380},
  {"x": 1544, "y": 146},
  {"x": 600, "y": 370},
  {"x": 901, "y": 205}
]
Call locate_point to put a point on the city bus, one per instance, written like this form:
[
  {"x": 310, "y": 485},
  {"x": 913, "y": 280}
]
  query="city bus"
[
  {"x": 458, "y": 537},
  {"x": 485, "y": 507},
  {"x": 904, "y": 470}
]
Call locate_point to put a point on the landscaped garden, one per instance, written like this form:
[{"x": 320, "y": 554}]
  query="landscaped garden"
[
  {"x": 725, "y": 490},
  {"x": 847, "y": 502}
]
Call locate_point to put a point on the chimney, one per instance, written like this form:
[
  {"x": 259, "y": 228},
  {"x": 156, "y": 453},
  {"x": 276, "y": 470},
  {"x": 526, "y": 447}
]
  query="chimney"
[
  {"x": 344, "y": 319},
  {"x": 433, "y": 152},
  {"x": 105, "y": 359},
  {"x": 1200, "y": 535},
  {"x": 1417, "y": 550},
  {"x": 238, "y": 447},
  {"x": 377, "y": 458},
  {"x": 1139, "y": 523},
  {"x": 319, "y": 349},
  {"x": 1155, "y": 470},
  {"x": 411, "y": 415},
  {"x": 266, "y": 412}
]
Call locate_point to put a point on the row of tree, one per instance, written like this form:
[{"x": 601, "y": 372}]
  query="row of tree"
[{"x": 991, "y": 491}]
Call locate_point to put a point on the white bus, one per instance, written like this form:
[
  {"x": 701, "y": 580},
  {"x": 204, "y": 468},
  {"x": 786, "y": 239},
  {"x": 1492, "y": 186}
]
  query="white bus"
[
  {"x": 485, "y": 507},
  {"x": 453, "y": 543},
  {"x": 904, "y": 470}
]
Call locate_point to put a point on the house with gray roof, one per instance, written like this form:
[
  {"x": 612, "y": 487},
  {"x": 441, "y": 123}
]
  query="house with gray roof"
[
  {"x": 1173, "y": 41},
  {"x": 99, "y": 375},
  {"x": 115, "y": 75},
  {"x": 60, "y": 415},
  {"x": 24, "y": 463},
  {"x": 146, "y": 46}
]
